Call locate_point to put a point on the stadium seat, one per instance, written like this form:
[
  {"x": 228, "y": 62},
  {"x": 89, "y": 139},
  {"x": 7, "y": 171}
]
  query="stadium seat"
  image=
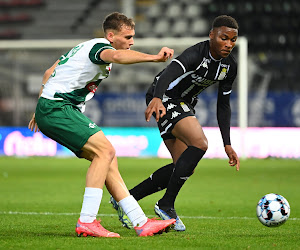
[
  {"x": 180, "y": 28},
  {"x": 10, "y": 34},
  {"x": 199, "y": 27},
  {"x": 161, "y": 27},
  {"x": 144, "y": 29},
  {"x": 174, "y": 11},
  {"x": 154, "y": 11},
  {"x": 193, "y": 11},
  {"x": 19, "y": 18}
]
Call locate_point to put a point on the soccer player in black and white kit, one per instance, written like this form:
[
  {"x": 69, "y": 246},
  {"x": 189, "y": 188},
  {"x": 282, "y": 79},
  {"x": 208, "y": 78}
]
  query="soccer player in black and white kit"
[{"x": 171, "y": 99}]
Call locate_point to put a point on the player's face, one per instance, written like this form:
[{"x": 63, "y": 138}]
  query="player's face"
[
  {"x": 222, "y": 41},
  {"x": 122, "y": 39}
]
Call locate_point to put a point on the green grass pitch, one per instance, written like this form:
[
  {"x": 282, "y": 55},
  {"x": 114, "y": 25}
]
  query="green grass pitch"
[{"x": 40, "y": 201}]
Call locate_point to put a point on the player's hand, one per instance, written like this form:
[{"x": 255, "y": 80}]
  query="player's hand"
[
  {"x": 233, "y": 158},
  {"x": 155, "y": 106},
  {"x": 33, "y": 125},
  {"x": 165, "y": 54}
]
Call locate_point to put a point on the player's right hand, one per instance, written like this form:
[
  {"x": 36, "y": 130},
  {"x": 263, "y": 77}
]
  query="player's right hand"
[
  {"x": 155, "y": 106},
  {"x": 164, "y": 54},
  {"x": 33, "y": 125}
]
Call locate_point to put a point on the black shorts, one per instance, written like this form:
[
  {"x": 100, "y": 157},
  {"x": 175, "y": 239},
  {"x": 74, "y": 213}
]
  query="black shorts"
[{"x": 176, "y": 109}]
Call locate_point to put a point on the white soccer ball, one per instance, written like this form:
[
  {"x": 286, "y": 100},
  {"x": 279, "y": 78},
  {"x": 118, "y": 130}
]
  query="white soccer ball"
[{"x": 273, "y": 210}]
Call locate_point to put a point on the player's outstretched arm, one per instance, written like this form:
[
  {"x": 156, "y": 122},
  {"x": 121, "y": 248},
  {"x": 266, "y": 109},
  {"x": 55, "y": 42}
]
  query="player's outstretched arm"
[
  {"x": 233, "y": 158},
  {"x": 132, "y": 56},
  {"x": 155, "y": 106}
]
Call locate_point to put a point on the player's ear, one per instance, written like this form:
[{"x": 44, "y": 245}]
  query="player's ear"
[
  {"x": 211, "y": 34},
  {"x": 110, "y": 36}
]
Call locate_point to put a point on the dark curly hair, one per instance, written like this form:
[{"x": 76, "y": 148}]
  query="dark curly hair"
[{"x": 226, "y": 21}]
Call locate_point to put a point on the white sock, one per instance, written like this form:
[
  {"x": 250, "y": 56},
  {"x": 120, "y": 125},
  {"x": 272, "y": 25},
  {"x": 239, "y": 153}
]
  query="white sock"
[
  {"x": 90, "y": 205},
  {"x": 133, "y": 210}
]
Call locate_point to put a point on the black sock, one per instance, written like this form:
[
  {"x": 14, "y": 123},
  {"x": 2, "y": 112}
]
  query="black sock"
[
  {"x": 184, "y": 168},
  {"x": 157, "y": 181}
]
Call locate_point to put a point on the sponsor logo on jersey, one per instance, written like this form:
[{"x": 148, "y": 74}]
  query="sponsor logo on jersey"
[
  {"x": 170, "y": 106},
  {"x": 201, "y": 81},
  {"x": 175, "y": 114},
  {"x": 92, "y": 125},
  {"x": 184, "y": 107},
  {"x": 92, "y": 87}
]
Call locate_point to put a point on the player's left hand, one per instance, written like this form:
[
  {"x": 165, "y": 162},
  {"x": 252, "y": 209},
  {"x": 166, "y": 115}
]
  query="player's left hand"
[
  {"x": 33, "y": 125},
  {"x": 165, "y": 54},
  {"x": 155, "y": 106},
  {"x": 233, "y": 158}
]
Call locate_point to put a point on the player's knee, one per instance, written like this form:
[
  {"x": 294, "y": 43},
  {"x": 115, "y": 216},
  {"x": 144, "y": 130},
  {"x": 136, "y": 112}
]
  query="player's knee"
[
  {"x": 201, "y": 143},
  {"x": 106, "y": 153},
  {"x": 204, "y": 145},
  {"x": 110, "y": 153}
]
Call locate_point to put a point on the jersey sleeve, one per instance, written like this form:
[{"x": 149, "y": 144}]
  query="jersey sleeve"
[
  {"x": 224, "y": 115},
  {"x": 189, "y": 60},
  {"x": 223, "y": 106},
  {"x": 185, "y": 62},
  {"x": 173, "y": 71},
  {"x": 62, "y": 57},
  {"x": 94, "y": 54},
  {"x": 227, "y": 83}
]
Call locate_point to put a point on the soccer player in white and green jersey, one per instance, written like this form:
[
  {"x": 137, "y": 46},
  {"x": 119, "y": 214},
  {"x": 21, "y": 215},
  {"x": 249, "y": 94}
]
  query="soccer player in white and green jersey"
[{"x": 67, "y": 85}]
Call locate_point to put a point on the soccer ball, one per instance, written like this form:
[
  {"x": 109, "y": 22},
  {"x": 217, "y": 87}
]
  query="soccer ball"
[{"x": 273, "y": 210}]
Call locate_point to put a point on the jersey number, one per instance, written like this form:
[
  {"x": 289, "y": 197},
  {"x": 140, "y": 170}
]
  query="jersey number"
[{"x": 71, "y": 53}]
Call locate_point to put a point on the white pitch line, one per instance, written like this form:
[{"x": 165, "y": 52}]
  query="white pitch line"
[
  {"x": 109, "y": 215},
  {"x": 229, "y": 218}
]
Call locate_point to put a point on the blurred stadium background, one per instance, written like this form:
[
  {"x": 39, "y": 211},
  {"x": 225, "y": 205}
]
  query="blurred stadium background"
[{"x": 271, "y": 28}]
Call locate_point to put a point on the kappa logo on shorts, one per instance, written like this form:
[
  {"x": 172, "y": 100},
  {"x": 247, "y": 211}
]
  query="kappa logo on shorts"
[
  {"x": 92, "y": 125},
  {"x": 175, "y": 114},
  {"x": 165, "y": 98},
  {"x": 171, "y": 105}
]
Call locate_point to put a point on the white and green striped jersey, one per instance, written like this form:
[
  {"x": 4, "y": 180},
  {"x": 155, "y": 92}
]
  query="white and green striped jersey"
[{"x": 78, "y": 74}]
